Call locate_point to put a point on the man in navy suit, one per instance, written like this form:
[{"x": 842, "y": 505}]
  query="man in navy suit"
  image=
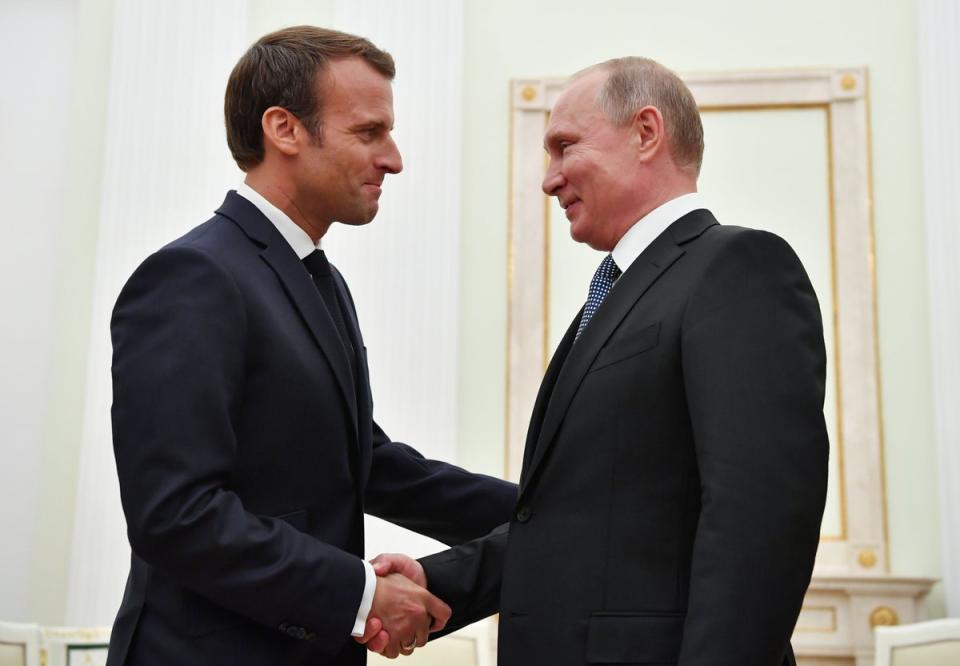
[{"x": 242, "y": 416}]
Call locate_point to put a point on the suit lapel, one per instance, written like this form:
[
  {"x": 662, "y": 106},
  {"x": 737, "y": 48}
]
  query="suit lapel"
[
  {"x": 296, "y": 281},
  {"x": 659, "y": 256},
  {"x": 546, "y": 390}
]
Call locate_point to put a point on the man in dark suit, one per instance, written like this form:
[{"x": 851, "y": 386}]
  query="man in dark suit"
[
  {"x": 675, "y": 467},
  {"x": 243, "y": 431}
]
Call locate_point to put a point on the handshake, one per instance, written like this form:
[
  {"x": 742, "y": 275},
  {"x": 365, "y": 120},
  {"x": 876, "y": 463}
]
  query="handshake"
[{"x": 403, "y": 613}]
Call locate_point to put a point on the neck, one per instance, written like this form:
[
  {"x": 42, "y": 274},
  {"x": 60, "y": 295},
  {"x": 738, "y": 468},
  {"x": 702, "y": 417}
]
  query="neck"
[
  {"x": 668, "y": 186},
  {"x": 282, "y": 195}
]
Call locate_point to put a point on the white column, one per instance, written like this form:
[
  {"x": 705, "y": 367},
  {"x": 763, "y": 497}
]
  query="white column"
[
  {"x": 938, "y": 44},
  {"x": 403, "y": 268},
  {"x": 165, "y": 170}
]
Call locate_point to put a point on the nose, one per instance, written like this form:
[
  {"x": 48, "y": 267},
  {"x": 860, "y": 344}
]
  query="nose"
[
  {"x": 553, "y": 180},
  {"x": 389, "y": 160}
]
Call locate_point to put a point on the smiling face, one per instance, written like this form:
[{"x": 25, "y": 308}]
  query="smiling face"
[
  {"x": 339, "y": 176},
  {"x": 594, "y": 166}
]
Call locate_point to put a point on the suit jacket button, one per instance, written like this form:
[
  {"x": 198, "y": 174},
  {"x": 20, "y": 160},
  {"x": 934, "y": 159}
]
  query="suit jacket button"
[{"x": 524, "y": 513}]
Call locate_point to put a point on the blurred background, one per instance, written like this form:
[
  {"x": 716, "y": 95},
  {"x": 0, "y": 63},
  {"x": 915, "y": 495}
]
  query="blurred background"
[{"x": 113, "y": 144}]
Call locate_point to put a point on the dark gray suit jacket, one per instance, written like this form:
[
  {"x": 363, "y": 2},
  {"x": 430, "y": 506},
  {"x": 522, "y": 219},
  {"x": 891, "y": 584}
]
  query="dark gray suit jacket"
[{"x": 675, "y": 469}]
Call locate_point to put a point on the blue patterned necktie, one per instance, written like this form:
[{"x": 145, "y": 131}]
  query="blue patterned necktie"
[{"x": 607, "y": 273}]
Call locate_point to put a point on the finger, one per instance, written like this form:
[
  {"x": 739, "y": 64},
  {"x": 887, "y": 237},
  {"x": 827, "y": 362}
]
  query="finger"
[
  {"x": 439, "y": 611},
  {"x": 379, "y": 642},
  {"x": 384, "y": 564},
  {"x": 423, "y": 632},
  {"x": 373, "y": 627},
  {"x": 392, "y": 651}
]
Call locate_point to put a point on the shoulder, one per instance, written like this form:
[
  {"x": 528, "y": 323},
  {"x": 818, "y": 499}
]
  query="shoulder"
[
  {"x": 198, "y": 262},
  {"x": 726, "y": 247}
]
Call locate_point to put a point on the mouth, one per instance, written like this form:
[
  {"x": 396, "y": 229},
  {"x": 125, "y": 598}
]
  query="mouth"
[
  {"x": 570, "y": 207},
  {"x": 373, "y": 188}
]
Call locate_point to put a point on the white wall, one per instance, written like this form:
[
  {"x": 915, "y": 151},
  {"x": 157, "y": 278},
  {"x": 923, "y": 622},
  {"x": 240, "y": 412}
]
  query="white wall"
[{"x": 36, "y": 49}]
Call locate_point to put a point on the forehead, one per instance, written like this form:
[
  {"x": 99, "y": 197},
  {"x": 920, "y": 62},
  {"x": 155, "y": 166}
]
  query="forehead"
[
  {"x": 577, "y": 105},
  {"x": 351, "y": 88}
]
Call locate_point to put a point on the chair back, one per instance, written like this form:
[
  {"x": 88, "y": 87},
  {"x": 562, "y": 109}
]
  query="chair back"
[
  {"x": 933, "y": 643},
  {"x": 19, "y": 644},
  {"x": 75, "y": 646}
]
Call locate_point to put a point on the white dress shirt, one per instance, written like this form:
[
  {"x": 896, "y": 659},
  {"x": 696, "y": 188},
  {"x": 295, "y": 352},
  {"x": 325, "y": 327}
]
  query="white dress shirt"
[
  {"x": 303, "y": 245},
  {"x": 647, "y": 228}
]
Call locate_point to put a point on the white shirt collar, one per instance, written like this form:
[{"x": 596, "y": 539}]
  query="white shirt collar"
[
  {"x": 651, "y": 225},
  {"x": 298, "y": 239}
]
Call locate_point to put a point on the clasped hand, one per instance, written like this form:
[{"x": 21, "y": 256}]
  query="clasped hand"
[{"x": 403, "y": 613}]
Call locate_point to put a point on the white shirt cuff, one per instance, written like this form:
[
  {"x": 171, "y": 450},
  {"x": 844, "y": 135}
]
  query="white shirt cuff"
[{"x": 366, "y": 601}]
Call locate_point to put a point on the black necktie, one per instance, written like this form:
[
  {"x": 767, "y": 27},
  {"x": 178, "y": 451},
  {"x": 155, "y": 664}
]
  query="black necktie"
[{"x": 318, "y": 266}]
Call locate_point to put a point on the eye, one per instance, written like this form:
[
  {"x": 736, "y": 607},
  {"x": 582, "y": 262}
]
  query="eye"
[{"x": 564, "y": 145}]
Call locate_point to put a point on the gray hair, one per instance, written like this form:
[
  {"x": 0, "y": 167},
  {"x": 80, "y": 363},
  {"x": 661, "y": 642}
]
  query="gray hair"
[{"x": 633, "y": 83}]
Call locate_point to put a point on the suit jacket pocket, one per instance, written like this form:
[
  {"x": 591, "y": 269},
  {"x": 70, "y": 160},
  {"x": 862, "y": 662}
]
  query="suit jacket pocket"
[
  {"x": 634, "y": 638},
  {"x": 628, "y": 346},
  {"x": 297, "y": 519}
]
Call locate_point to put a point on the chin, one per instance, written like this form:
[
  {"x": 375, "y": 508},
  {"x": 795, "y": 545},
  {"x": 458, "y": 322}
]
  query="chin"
[{"x": 580, "y": 233}]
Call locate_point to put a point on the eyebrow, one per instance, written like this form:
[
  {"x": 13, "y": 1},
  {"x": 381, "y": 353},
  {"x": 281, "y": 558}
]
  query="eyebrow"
[
  {"x": 552, "y": 137},
  {"x": 371, "y": 124}
]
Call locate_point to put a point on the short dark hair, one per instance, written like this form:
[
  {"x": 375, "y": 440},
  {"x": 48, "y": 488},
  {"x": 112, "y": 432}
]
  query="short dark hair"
[{"x": 281, "y": 69}]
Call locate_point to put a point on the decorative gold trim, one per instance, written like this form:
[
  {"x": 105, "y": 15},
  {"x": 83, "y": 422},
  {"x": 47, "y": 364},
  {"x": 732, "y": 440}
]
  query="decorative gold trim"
[
  {"x": 848, "y": 82},
  {"x": 876, "y": 323},
  {"x": 787, "y": 106},
  {"x": 884, "y": 616},
  {"x": 867, "y": 558},
  {"x": 835, "y": 295},
  {"x": 44, "y": 657},
  {"x": 529, "y": 93},
  {"x": 819, "y": 630}
]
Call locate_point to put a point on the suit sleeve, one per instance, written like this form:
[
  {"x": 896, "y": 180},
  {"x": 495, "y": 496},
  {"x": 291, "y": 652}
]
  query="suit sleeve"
[
  {"x": 434, "y": 498},
  {"x": 179, "y": 339},
  {"x": 431, "y": 497},
  {"x": 754, "y": 368},
  {"x": 468, "y": 577}
]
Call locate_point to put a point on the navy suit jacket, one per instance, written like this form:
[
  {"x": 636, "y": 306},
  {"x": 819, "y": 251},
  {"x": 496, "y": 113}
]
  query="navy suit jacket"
[
  {"x": 247, "y": 455},
  {"x": 675, "y": 469}
]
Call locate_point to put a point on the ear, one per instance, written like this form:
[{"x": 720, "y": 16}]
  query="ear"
[
  {"x": 282, "y": 130},
  {"x": 647, "y": 124}
]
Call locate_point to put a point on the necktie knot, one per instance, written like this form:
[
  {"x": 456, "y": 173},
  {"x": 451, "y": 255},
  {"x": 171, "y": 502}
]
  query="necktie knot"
[
  {"x": 601, "y": 284},
  {"x": 316, "y": 262}
]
